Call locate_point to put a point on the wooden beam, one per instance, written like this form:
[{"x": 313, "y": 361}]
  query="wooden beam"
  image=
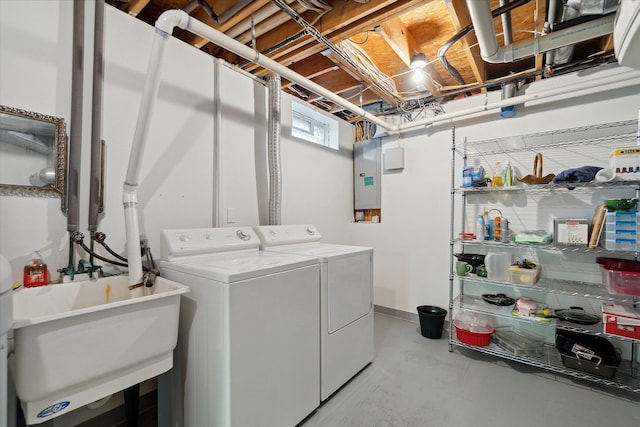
[
  {"x": 360, "y": 79},
  {"x": 134, "y": 7},
  {"x": 607, "y": 43},
  {"x": 400, "y": 39},
  {"x": 460, "y": 17},
  {"x": 313, "y": 66},
  {"x": 336, "y": 25}
]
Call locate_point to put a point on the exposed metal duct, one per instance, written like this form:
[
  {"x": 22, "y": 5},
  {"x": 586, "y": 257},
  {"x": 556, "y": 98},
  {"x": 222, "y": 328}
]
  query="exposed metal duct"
[
  {"x": 574, "y": 9},
  {"x": 442, "y": 52},
  {"x": 273, "y": 148},
  {"x": 482, "y": 20},
  {"x": 507, "y": 33}
]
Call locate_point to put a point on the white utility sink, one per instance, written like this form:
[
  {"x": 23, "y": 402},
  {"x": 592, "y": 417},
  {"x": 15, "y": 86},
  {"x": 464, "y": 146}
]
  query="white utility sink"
[{"x": 81, "y": 341}]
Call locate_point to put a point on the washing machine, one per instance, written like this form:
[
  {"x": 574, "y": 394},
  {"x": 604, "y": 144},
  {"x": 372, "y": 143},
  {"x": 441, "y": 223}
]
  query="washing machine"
[
  {"x": 248, "y": 341},
  {"x": 346, "y": 299}
]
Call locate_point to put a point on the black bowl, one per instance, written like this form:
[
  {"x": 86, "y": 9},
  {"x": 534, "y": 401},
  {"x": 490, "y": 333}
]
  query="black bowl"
[{"x": 475, "y": 260}]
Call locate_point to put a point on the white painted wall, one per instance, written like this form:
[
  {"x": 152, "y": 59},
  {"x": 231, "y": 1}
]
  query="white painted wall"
[
  {"x": 35, "y": 75},
  {"x": 176, "y": 179},
  {"x": 236, "y": 140},
  {"x": 317, "y": 181}
]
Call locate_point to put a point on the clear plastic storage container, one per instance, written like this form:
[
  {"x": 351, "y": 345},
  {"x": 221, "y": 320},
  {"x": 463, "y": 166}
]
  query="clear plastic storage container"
[{"x": 524, "y": 276}]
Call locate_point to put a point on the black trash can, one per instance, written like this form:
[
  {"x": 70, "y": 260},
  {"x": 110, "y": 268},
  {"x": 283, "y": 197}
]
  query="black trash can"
[{"x": 431, "y": 320}]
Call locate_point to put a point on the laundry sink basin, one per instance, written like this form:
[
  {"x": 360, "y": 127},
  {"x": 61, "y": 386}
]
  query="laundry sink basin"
[{"x": 81, "y": 341}]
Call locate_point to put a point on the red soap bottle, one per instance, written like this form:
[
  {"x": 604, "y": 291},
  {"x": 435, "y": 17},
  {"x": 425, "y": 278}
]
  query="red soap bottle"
[{"x": 35, "y": 274}]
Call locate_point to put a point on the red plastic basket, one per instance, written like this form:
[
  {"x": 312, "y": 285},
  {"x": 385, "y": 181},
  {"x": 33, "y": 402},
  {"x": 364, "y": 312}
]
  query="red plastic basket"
[{"x": 479, "y": 339}]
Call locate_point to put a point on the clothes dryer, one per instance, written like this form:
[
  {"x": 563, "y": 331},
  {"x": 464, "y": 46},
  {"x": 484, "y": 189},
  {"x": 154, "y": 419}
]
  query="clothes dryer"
[
  {"x": 346, "y": 299},
  {"x": 249, "y": 329}
]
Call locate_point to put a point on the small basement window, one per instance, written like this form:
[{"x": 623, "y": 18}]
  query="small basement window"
[{"x": 310, "y": 125}]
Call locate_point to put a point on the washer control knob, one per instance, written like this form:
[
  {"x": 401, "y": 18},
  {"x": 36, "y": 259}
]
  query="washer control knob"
[
  {"x": 309, "y": 230},
  {"x": 184, "y": 238},
  {"x": 243, "y": 235}
]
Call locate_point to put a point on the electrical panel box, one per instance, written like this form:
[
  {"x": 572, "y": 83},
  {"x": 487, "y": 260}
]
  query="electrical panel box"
[{"x": 366, "y": 173}]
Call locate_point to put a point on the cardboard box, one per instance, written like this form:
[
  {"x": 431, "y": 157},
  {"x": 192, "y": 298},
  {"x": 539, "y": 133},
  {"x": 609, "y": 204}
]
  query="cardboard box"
[
  {"x": 571, "y": 232},
  {"x": 620, "y": 320}
]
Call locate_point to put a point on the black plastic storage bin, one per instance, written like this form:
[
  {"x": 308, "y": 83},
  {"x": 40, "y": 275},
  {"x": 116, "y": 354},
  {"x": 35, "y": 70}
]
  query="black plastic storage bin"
[
  {"x": 588, "y": 353},
  {"x": 431, "y": 320}
]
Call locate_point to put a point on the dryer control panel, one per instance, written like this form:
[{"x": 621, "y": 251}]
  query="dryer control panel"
[
  {"x": 177, "y": 243},
  {"x": 274, "y": 235}
]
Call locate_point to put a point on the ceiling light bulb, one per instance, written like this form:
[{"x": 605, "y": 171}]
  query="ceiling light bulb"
[
  {"x": 418, "y": 60},
  {"x": 417, "y": 75}
]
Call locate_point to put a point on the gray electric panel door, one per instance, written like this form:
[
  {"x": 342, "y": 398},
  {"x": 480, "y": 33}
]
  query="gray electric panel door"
[{"x": 366, "y": 174}]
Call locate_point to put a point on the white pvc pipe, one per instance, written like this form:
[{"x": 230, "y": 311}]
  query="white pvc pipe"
[
  {"x": 130, "y": 195},
  {"x": 203, "y": 30},
  {"x": 592, "y": 85}
]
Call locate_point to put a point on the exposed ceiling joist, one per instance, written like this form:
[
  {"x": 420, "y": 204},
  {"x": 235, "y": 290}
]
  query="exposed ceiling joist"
[
  {"x": 383, "y": 57},
  {"x": 405, "y": 46}
]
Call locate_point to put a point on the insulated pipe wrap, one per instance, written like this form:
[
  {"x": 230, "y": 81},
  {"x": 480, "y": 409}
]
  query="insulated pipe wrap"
[{"x": 273, "y": 147}]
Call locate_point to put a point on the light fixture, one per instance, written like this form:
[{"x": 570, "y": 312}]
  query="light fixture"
[
  {"x": 418, "y": 75},
  {"x": 418, "y": 60}
]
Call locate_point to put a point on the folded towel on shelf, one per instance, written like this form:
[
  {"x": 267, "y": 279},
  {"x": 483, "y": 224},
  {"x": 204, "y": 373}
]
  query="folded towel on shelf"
[{"x": 581, "y": 174}]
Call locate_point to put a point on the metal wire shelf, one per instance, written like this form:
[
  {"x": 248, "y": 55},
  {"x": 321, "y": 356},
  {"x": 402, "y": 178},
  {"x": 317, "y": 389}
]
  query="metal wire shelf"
[
  {"x": 568, "y": 186},
  {"x": 551, "y": 360},
  {"x": 616, "y": 132}
]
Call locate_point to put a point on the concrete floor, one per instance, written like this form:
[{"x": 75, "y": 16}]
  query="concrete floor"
[{"x": 415, "y": 381}]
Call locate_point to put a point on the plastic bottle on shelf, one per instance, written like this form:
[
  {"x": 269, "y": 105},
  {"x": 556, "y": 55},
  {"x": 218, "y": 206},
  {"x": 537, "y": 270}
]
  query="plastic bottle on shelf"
[
  {"x": 480, "y": 228},
  {"x": 507, "y": 179},
  {"x": 498, "y": 175},
  {"x": 497, "y": 229},
  {"x": 487, "y": 225}
]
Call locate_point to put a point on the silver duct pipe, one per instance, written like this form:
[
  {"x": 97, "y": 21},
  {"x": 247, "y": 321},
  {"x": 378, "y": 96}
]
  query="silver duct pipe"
[
  {"x": 75, "y": 134},
  {"x": 273, "y": 147},
  {"x": 480, "y": 13},
  {"x": 96, "y": 116},
  {"x": 507, "y": 33},
  {"x": 552, "y": 11}
]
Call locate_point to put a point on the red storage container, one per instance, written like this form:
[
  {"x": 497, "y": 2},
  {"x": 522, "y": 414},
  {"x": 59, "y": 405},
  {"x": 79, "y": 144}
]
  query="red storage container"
[
  {"x": 620, "y": 276},
  {"x": 620, "y": 320},
  {"x": 479, "y": 339}
]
